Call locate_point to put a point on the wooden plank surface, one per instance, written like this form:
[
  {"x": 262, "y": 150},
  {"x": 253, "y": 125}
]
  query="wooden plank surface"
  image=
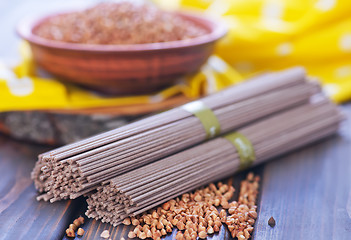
[
  {"x": 309, "y": 192},
  {"x": 21, "y": 216}
]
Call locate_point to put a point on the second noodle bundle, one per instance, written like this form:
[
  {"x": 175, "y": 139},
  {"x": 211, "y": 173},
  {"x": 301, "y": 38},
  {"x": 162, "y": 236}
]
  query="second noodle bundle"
[{"x": 139, "y": 190}]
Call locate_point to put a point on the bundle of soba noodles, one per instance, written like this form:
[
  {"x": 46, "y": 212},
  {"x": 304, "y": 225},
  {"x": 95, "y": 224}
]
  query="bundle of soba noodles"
[
  {"x": 75, "y": 169},
  {"x": 144, "y": 188}
]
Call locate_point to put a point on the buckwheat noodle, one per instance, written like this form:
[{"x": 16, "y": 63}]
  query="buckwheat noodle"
[{"x": 78, "y": 168}]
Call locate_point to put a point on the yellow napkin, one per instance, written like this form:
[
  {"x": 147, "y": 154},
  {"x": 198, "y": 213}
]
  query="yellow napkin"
[{"x": 270, "y": 35}]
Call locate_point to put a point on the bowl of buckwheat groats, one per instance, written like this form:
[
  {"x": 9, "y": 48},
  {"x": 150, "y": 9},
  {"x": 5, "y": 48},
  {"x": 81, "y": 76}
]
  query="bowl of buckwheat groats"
[{"x": 124, "y": 47}]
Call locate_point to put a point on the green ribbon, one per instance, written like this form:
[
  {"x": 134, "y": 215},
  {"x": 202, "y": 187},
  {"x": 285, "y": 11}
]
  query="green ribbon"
[
  {"x": 244, "y": 147},
  {"x": 206, "y": 116}
]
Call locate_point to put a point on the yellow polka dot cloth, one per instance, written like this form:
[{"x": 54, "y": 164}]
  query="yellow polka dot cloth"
[
  {"x": 264, "y": 35},
  {"x": 267, "y": 35}
]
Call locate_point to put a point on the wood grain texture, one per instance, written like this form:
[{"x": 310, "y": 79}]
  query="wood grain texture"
[
  {"x": 308, "y": 192},
  {"x": 21, "y": 216}
]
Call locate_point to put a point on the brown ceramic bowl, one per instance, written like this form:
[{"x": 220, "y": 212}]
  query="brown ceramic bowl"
[{"x": 123, "y": 69}]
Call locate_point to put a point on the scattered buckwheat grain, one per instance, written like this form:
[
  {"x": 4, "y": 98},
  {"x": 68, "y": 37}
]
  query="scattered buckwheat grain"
[
  {"x": 105, "y": 234},
  {"x": 195, "y": 214}
]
